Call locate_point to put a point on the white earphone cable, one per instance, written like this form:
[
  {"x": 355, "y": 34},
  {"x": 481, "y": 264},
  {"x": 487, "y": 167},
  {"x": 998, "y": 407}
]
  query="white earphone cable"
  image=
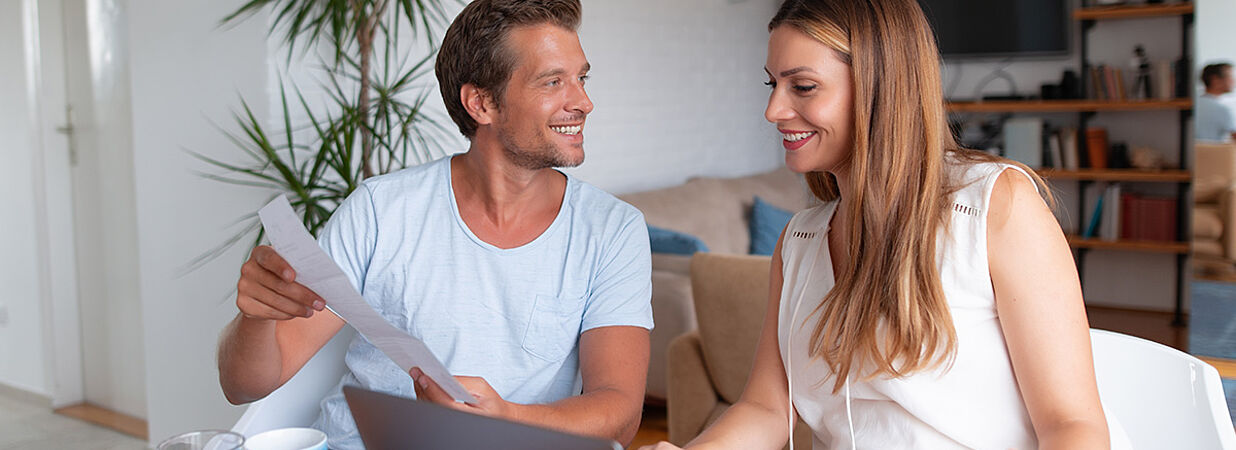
[{"x": 789, "y": 361}]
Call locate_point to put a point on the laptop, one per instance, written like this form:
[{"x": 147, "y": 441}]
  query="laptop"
[{"x": 389, "y": 422}]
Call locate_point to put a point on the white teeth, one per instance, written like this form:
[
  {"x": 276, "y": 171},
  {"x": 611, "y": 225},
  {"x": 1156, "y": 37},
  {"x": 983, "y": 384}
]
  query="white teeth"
[
  {"x": 568, "y": 130},
  {"x": 795, "y": 137}
]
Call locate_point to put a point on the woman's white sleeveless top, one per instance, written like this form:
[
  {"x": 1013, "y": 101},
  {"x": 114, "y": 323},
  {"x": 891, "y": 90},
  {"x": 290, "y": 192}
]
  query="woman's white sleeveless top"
[{"x": 974, "y": 403}]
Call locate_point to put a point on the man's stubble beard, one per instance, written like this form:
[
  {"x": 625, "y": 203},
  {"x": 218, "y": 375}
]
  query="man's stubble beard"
[{"x": 541, "y": 155}]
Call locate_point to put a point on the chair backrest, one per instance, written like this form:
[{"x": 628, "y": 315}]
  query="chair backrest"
[
  {"x": 731, "y": 295},
  {"x": 1214, "y": 170},
  {"x": 1162, "y": 397},
  {"x": 296, "y": 403}
]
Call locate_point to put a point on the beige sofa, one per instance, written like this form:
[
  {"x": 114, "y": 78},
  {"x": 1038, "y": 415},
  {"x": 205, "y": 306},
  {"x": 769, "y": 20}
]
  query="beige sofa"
[
  {"x": 1214, "y": 208},
  {"x": 716, "y": 210},
  {"x": 708, "y": 367}
]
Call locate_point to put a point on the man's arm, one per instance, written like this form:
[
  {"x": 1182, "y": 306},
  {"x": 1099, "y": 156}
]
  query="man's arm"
[
  {"x": 281, "y": 324},
  {"x": 278, "y": 329},
  {"x": 614, "y": 367}
]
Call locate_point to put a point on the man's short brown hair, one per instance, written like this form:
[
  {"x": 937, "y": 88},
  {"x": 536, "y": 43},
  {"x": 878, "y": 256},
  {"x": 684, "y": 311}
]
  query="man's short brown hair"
[
  {"x": 474, "y": 49},
  {"x": 1214, "y": 72}
]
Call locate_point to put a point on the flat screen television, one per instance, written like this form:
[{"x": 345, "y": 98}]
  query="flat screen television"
[{"x": 994, "y": 28}]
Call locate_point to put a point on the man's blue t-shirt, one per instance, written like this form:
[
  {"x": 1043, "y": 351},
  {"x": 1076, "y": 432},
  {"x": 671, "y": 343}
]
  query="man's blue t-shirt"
[
  {"x": 511, "y": 316},
  {"x": 1215, "y": 120}
]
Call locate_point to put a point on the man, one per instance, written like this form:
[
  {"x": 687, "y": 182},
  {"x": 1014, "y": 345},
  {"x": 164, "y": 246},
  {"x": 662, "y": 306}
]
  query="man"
[
  {"x": 1216, "y": 121},
  {"x": 533, "y": 285}
]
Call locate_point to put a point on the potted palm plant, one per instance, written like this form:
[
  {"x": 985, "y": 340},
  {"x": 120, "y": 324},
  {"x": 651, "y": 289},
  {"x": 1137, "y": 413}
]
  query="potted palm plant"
[{"x": 369, "y": 116}]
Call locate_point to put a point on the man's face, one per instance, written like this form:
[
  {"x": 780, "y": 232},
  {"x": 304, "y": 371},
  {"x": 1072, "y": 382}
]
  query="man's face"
[
  {"x": 540, "y": 118},
  {"x": 1226, "y": 84}
]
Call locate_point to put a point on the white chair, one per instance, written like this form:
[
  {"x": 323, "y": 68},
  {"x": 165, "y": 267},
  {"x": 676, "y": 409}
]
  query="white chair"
[
  {"x": 1162, "y": 397},
  {"x": 296, "y": 403}
]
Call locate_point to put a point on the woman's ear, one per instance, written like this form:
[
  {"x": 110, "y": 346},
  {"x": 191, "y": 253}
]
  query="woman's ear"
[{"x": 479, "y": 104}]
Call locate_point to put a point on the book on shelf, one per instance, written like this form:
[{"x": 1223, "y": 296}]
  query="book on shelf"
[
  {"x": 1107, "y": 83},
  {"x": 1164, "y": 79},
  {"x": 1098, "y": 88},
  {"x": 1118, "y": 80},
  {"x": 1055, "y": 152},
  {"x": 1060, "y": 148},
  {"x": 1068, "y": 147},
  {"x": 1093, "y": 208},
  {"x": 1147, "y": 218},
  {"x": 1106, "y": 207},
  {"x": 1110, "y": 222},
  {"x": 1113, "y": 213}
]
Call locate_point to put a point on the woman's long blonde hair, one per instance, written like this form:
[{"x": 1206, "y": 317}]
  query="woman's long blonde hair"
[{"x": 887, "y": 312}]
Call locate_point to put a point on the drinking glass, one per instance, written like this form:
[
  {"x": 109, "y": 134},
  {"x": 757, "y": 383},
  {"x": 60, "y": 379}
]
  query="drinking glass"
[{"x": 204, "y": 440}]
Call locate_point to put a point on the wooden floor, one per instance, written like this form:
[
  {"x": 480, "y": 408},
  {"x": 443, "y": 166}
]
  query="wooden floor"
[
  {"x": 654, "y": 428},
  {"x": 1151, "y": 325},
  {"x": 107, "y": 418},
  {"x": 1225, "y": 276}
]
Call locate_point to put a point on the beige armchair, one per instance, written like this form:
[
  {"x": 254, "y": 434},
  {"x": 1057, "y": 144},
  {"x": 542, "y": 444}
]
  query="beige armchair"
[
  {"x": 1214, "y": 207},
  {"x": 718, "y": 211},
  {"x": 708, "y": 367}
]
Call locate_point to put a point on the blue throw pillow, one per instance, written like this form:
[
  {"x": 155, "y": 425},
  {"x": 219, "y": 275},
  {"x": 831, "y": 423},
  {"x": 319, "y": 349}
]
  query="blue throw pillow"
[
  {"x": 675, "y": 242},
  {"x": 767, "y": 221}
]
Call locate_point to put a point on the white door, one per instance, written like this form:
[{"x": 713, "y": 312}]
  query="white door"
[{"x": 97, "y": 65}]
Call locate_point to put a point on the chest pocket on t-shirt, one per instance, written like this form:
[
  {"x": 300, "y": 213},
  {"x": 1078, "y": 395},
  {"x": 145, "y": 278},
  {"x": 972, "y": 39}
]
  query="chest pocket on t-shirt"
[{"x": 553, "y": 329}]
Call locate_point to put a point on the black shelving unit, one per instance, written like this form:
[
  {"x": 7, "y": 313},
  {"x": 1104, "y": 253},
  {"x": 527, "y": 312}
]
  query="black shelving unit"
[{"x": 1088, "y": 17}]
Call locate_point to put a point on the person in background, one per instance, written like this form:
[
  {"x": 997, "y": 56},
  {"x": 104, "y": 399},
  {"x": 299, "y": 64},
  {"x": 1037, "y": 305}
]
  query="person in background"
[{"x": 1216, "y": 119}]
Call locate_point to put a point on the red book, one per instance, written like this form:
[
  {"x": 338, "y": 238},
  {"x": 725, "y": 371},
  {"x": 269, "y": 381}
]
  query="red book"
[
  {"x": 1160, "y": 223},
  {"x": 1130, "y": 226}
]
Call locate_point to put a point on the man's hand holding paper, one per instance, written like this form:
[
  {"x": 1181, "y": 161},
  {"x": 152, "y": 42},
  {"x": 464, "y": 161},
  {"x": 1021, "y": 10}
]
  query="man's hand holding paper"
[
  {"x": 268, "y": 289},
  {"x": 488, "y": 402}
]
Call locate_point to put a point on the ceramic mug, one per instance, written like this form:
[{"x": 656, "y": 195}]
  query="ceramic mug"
[{"x": 288, "y": 439}]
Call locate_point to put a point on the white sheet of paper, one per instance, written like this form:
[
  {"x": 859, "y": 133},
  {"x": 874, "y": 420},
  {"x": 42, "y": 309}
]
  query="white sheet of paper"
[{"x": 318, "y": 272}]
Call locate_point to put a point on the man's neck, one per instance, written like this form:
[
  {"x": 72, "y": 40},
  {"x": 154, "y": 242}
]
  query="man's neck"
[
  {"x": 487, "y": 182},
  {"x": 1215, "y": 92}
]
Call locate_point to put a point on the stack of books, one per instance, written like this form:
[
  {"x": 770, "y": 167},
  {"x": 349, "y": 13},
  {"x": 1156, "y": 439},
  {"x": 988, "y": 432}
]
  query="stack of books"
[{"x": 1119, "y": 215}]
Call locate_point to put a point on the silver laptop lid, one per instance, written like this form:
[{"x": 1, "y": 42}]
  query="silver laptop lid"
[{"x": 389, "y": 422}]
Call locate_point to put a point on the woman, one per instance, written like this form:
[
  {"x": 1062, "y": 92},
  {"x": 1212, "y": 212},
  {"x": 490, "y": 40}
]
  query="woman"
[{"x": 934, "y": 280}]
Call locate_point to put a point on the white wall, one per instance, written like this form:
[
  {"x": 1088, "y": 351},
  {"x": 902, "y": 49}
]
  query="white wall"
[
  {"x": 187, "y": 73},
  {"x": 21, "y": 317},
  {"x": 678, "y": 89},
  {"x": 1215, "y": 42},
  {"x": 1215, "y": 39}
]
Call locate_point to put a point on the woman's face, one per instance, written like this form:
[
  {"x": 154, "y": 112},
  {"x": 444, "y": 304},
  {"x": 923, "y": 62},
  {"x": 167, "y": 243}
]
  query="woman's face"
[{"x": 812, "y": 101}]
